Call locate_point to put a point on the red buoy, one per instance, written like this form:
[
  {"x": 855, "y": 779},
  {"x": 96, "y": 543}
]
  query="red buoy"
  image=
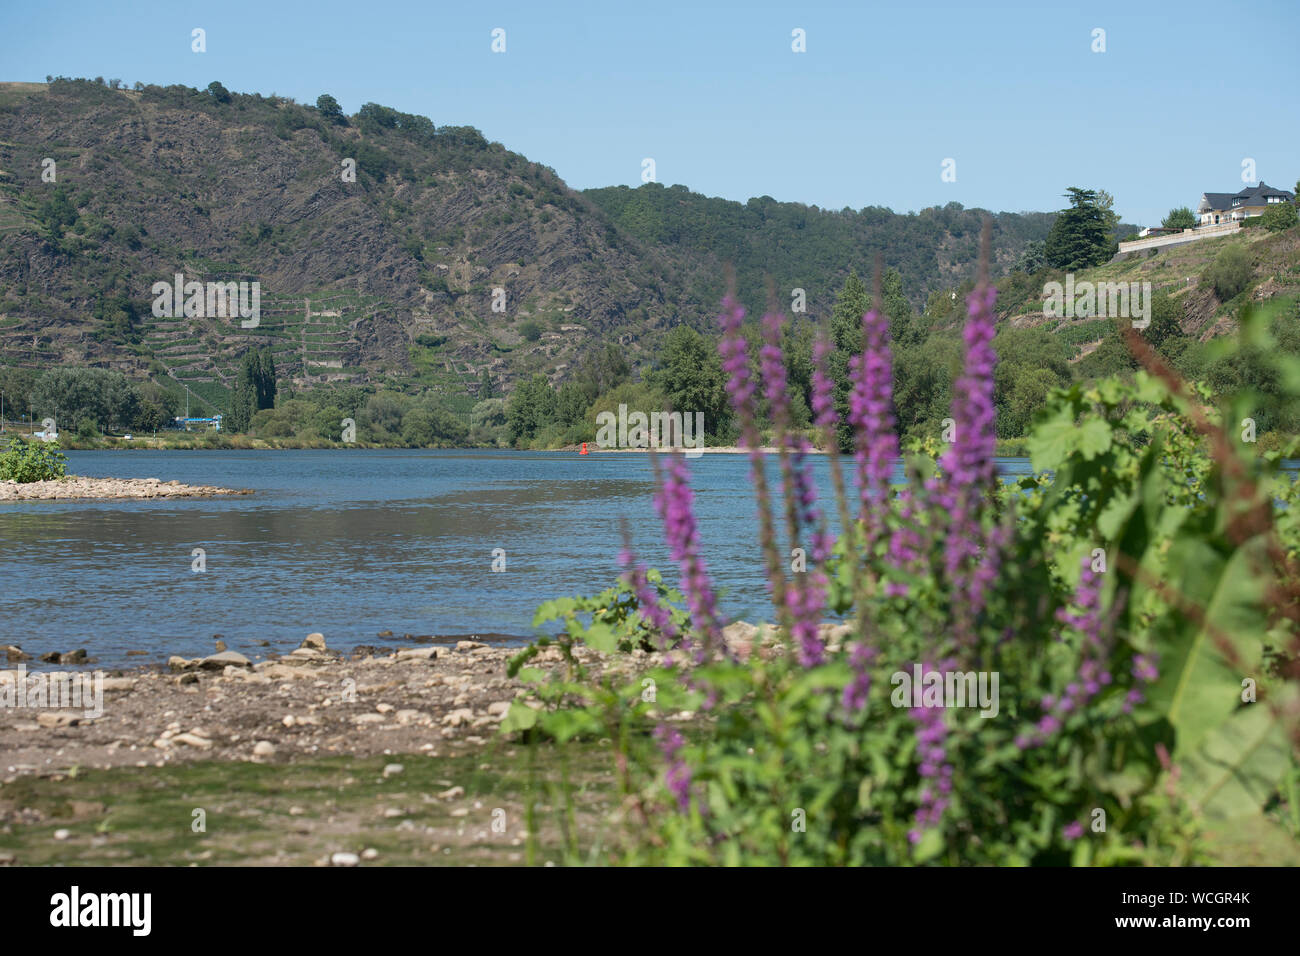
[{"x": 584, "y": 449}]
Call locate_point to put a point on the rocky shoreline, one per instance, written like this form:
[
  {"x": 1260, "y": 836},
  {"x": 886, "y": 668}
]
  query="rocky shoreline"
[
  {"x": 311, "y": 702},
  {"x": 78, "y": 486},
  {"x": 435, "y": 699}
]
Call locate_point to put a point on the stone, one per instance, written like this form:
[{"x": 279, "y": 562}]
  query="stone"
[
  {"x": 344, "y": 859},
  {"x": 739, "y": 638},
  {"x": 14, "y": 653},
  {"x": 384, "y": 708},
  {"x": 192, "y": 740},
  {"x": 316, "y": 640},
  {"x": 461, "y": 715},
  {"x": 469, "y": 645},
  {"x": 417, "y": 653},
  {"x": 453, "y": 793},
  {"x": 58, "y": 718},
  {"x": 285, "y": 672},
  {"x": 264, "y": 748},
  {"x": 224, "y": 659},
  {"x": 393, "y": 769},
  {"x": 369, "y": 853}
]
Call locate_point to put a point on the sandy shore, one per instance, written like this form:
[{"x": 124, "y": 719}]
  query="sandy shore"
[{"x": 76, "y": 486}]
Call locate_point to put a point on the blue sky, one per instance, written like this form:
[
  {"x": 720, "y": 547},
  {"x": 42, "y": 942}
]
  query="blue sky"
[{"x": 1013, "y": 92}]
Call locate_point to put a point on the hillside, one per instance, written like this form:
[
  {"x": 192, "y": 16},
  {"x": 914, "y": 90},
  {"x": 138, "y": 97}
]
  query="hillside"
[
  {"x": 385, "y": 281},
  {"x": 1178, "y": 271}
]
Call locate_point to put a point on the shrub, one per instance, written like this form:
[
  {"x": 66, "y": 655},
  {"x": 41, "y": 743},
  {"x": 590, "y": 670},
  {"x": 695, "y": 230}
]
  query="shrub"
[
  {"x": 1230, "y": 272},
  {"x": 32, "y": 461},
  {"x": 1115, "y": 597},
  {"x": 1278, "y": 217}
]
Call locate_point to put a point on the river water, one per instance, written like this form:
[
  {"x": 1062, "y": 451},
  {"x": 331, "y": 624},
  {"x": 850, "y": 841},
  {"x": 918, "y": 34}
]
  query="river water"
[{"x": 351, "y": 543}]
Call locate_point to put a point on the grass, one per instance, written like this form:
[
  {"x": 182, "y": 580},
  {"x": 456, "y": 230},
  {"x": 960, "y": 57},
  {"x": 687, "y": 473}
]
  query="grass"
[{"x": 300, "y": 813}]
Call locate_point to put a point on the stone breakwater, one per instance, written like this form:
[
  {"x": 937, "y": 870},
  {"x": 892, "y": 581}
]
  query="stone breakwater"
[{"x": 76, "y": 486}]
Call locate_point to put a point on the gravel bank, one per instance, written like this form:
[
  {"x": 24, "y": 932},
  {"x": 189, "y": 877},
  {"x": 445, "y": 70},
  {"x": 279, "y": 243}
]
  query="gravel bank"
[{"x": 75, "y": 486}]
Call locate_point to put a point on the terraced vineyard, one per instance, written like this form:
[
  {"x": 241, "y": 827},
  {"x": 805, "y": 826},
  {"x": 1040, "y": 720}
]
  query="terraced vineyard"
[{"x": 313, "y": 339}]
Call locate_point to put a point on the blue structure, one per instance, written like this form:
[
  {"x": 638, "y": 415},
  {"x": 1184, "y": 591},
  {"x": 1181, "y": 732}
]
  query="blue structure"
[{"x": 185, "y": 423}]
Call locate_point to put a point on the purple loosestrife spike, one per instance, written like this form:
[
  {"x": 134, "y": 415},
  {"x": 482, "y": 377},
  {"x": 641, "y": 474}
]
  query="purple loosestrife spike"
[
  {"x": 935, "y": 771},
  {"x": 872, "y": 417},
  {"x": 805, "y": 595},
  {"x": 968, "y": 467},
  {"x": 678, "y": 775},
  {"x": 740, "y": 392},
  {"x": 674, "y": 503},
  {"x": 1087, "y": 622},
  {"x": 858, "y": 689}
]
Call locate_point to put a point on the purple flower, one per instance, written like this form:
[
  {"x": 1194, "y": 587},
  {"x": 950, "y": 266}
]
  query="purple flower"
[
  {"x": 858, "y": 688},
  {"x": 930, "y": 736},
  {"x": 678, "y": 775},
  {"x": 872, "y": 418},
  {"x": 1073, "y": 830},
  {"x": 674, "y": 502},
  {"x": 971, "y": 557}
]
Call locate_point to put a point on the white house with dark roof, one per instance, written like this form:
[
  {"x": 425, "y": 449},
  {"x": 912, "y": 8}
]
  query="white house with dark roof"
[{"x": 1217, "y": 208}]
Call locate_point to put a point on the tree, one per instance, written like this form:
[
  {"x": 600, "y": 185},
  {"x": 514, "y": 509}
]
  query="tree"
[
  {"x": 1106, "y": 203},
  {"x": 264, "y": 379},
  {"x": 1079, "y": 237},
  {"x": 243, "y": 403},
  {"x": 218, "y": 92},
  {"x": 531, "y": 407},
  {"x": 689, "y": 373},
  {"x": 850, "y": 306},
  {"x": 1180, "y": 218},
  {"x": 1278, "y": 217},
  {"x": 1032, "y": 258},
  {"x": 329, "y": 108}
]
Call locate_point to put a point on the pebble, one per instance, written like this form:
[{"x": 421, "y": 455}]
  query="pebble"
[
  {"x": 392, "y": 769},
  {"x": 344, "y": 859}
]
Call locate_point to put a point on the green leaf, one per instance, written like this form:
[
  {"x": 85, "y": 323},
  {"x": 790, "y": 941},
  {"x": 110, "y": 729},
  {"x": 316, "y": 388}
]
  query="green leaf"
[
  {"x": 1052, "y": 440},
  {"x": 519, "y": 717},
  {"x": 1238, "y": 765},
  {"x": 600, "y": 636},
  {"x": 931, "y": 845},
  {"x": 1092, "y": 437},
  {"x": 1198, "y": 688}
]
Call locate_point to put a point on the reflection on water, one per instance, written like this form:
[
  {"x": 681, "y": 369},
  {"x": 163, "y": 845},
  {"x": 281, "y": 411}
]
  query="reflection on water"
[{"x": 350, "y": 543}]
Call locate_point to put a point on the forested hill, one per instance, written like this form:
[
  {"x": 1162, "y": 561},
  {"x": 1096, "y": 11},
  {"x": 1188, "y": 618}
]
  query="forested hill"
[
  {"x": 386, "y": 278},
  {"x": 799, "y": 246}
]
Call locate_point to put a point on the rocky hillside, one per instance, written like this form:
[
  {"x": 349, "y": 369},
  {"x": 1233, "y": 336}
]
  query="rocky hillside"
[{"x": 379, "y": 242}]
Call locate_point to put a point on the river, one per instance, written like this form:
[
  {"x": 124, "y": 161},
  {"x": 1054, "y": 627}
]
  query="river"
[{"x": 350, "y": 544}]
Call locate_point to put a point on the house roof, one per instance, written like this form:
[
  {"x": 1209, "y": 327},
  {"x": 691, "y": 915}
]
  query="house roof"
[{"x": 1256, "y": 195}]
